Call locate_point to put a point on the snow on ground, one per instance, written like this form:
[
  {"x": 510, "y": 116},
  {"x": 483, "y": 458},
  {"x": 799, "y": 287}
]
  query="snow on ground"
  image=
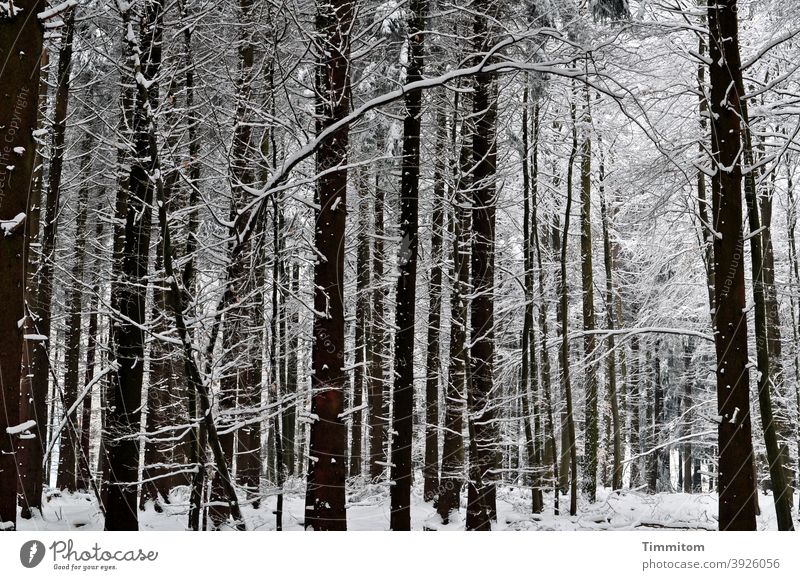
[{"x": 368, "y": 509}]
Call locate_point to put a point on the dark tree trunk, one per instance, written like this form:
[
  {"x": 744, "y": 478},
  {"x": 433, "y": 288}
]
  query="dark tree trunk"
[
  {"x": 197, "y": 444},
  {"x": 783, "y": 417},
  {"x": 781, "y": 492},
  {"x": 19, "y": 78},
  {"x": 736, "y": 483},
  {"x": 482, "y": 505},
  {"x": 401, "y": 472},
  {"x": 85, "y": 480},
  {"x": 608, "y": 254},
  {"x": 589, "y": 340},
  {"x": 377, "y": 335},
  {"x": 687, "y": 416},
  {"x": 452, "y": 474},
  {"x": 568, "y": 450},
  {"x": 123, "y": 415},
  {"x": 360, "y": 385},
  {"x": 551, "y": 449},
  {"x": 635, "y": 410},
  {"x": 70, "y": 448},
  {"x": 433, "y": 364},
  {"x": 528, "y": 371},
  {"x": 34, "y": 407},
  {"x": 289, "y": 414},
  {"x": 327, "y": 468}
]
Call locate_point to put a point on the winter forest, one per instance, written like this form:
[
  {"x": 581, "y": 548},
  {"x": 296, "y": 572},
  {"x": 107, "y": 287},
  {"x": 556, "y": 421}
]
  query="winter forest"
[{"x": 399, "y": 264}]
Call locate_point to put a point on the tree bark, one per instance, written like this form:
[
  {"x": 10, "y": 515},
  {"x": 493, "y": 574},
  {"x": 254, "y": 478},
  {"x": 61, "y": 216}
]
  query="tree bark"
[
  {"x": 123, "y": 416},
  {"x": 608, "y": 254},
  {"x": 401, "y": 471},
  {"x": 70, "y": 447},
  {"x": 362, "y": 312},
  {"x": 781, "y": 492},
  {"x": 433, "y": 363},
  {"x": 589, "y": 340},
  {"x": 569, "y": 450},
  {"x": 34, "y": 407},
  {"x": 736, "y": 483},
  {"x": 325, "y": 494},
  {"x": 452, "y": 475},
  {"x": 19, "y": 77}
]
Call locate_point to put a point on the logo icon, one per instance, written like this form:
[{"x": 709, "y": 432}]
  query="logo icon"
[{"x": 31, "y": 553}]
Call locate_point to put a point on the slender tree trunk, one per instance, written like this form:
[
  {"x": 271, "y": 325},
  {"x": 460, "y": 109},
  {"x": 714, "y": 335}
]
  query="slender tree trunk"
[
  {"x": 198, "y": 437},
  {"x": 608, "y": 254},
  {"x": 377, "y": 332},
  {"x": 123, "y": 416},
  {"x": 403, "y": 391},
  {"x": 70, "y": 437},
  {"x": 552, "y": 450},
  {"x": 687, "y": 416},
  {"x": 31, "y": 451},
  {"x": 634, "y": 408},
  {"x": 452, "y": 476},
  {"x": 589, "y": 340},
  {"x": 736, "y": 484},
  {"x": 781, "y": 492},
  {"x": 290, "y": 414},
  {"x": 433, "y": 365},
  {"x": 568, "y": 425},
  {"x": 529, "y": 378},
  {"x": 783, "y": 417},
  {"x": 85, "y": 480},
  {"x": 325, "y": 497},
  {"x": 362, "y": 312}
]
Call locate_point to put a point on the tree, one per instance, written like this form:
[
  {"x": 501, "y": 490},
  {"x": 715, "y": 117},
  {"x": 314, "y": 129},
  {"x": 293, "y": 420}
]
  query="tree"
[
  {"x": 405, "y": 311},
  {"x": 18, "y": 115},
  {"x": 123, "y": 417},
  {"x": 587, "y": 279},
  {"x": 736, "y": 485},
  {"x": 433, "y": 364},
  {"x": 482, "y": 503},
  {"x": 325, "y": 497},
  {"x": 34, "y": 403}
]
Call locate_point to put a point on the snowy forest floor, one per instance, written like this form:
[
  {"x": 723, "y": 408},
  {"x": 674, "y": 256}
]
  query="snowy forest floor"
[{"x": 368, "y": 509}]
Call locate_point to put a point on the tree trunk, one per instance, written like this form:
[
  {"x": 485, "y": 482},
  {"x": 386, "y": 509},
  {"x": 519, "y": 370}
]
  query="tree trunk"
[
  {"x": 290, "y": 413},
  {"x": 482, "y": 505},
  {"x": 433, "y": 364},
  {"x": 123, "y": 416},
  {"x": 635, "y": 410},
  {"x": 377, "y": 332},
  {"x": 19, "y": 78},
  {"x": 528, "y": 371},
  {"x": 70, "y": 436},
  {"x": 608, "y": 254},
  {"x": 362, "y": 313},
  {"x": 452, "y": 476},
  {"x": 781, "y": 492},
  {"x": 783, "y": 416},
  {"x": 589, "y": 340},
  {"x": 568, "y": 425},
  {"x": 325, "y": 494},
  {"x": 31, "y": 451},
  {"x": 85, "y": 480},
  {"x": 552, "y": 450},
  {"x": 405, "y": 310},
  {"x": 736, "y": 484}
]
